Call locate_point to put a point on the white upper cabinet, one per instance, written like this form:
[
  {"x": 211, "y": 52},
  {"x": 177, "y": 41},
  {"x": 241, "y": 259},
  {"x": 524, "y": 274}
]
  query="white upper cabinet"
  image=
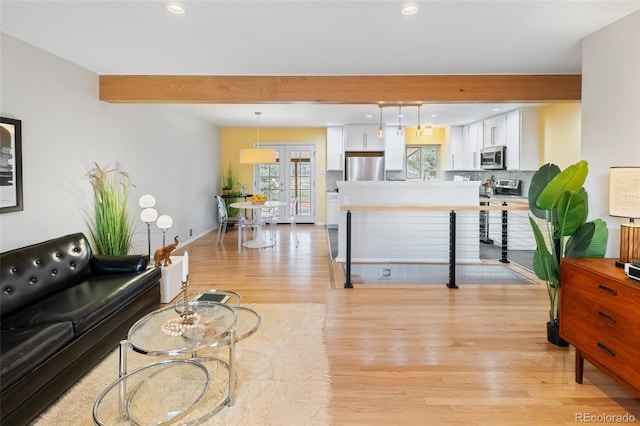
[
  {"x": 335, "y": 151},
  {"x": 458, "y": 154},
  {"x": 474, "y": 144},
  {"x": 495, "y": 131},
  {"x": 465, "y": 147},
  {"x": 394, "y": 151},
  {"x": 362, "y": 138},
  {"x": 522, "y": 139}
]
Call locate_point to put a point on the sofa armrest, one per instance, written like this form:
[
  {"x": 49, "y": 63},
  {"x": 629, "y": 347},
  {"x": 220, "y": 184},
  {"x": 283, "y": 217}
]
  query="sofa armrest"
[{"x": 101, "y": 264}]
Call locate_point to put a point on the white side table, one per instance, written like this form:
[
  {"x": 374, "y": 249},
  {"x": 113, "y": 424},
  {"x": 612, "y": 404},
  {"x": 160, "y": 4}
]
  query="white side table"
[{"x": 171, "y": 282}]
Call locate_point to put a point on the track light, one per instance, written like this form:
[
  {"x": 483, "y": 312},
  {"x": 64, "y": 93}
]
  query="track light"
[{"x": 399, "y": 133}]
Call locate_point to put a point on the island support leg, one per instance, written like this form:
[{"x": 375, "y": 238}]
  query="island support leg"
[
  {"x": 452, "y": 250},
  {"x": 348, "y": 283}
]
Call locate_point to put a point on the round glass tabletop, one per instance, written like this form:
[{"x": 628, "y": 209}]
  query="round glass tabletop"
[
  {"x": 161, "y": 332},
  {"x": 154, "y": 395},
  {"x": 228, "y": 297}
]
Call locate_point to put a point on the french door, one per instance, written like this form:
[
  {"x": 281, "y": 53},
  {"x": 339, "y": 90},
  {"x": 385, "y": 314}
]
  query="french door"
[{"x": 291, "y": 176}]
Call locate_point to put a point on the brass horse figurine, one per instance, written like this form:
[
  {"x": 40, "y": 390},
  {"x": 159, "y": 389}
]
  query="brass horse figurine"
[{"x": 164, "y": 253}]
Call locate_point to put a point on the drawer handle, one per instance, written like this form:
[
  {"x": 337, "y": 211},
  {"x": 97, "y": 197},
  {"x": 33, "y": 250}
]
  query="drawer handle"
[
  {"x": 607, "y": 289},
  {"x": 606, "y": 350},
  {"x": 608, "y": 317}
]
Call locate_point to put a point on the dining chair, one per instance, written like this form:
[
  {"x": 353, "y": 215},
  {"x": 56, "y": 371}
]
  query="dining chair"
[
  {"x": 244, "y": 224},
  {"x": 223, "y": 219},
  {"x": 291, "y": 218}
]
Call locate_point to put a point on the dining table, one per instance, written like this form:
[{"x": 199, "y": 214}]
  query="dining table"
[{"x": 260, "y": 239}]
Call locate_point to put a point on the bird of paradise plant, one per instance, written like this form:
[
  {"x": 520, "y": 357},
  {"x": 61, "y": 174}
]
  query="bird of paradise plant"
[{"x": 559, "y": 198}]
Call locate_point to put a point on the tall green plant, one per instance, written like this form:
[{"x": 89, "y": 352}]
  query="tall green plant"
[
  {"x": 112, "y": 228},
  {"x": 229, "y": 179},
  {"x": 559, "y": 198}
]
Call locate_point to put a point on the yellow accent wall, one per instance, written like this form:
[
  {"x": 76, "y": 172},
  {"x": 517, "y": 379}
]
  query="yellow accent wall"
[
  {"x": 560, "y": 133},
  {"x": 438, "y": 138},
  {"x": 233, "y": 139}
]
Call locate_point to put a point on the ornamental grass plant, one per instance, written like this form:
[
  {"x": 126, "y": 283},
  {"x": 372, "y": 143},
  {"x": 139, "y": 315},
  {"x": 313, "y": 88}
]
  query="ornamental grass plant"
[{"x": 112, "y": 227}]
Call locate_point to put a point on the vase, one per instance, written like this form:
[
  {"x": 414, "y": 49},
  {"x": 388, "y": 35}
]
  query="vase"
[{"x": 553, "y": 335}]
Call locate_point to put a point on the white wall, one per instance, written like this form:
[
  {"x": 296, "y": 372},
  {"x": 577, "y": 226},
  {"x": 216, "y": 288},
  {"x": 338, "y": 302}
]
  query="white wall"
[
  {"x": 66, "y": 129},
  {"x": 610, "y": 112}
]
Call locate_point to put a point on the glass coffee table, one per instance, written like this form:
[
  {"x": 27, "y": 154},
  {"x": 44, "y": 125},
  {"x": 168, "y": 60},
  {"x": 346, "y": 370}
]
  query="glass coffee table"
[
  {"x": 218, "y": 324},
  {"x": 148, "y": 395}
]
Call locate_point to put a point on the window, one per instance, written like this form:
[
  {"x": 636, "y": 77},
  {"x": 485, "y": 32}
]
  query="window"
[{"x": 422, "y": 161}]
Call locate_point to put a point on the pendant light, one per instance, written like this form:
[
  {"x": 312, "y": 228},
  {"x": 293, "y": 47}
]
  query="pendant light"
[
  {"x": 257, "y": 155},
  {"x": 419, "y": 129},
  {"x": 399, "y": 133},
  {"x": 380, "y": 129}
]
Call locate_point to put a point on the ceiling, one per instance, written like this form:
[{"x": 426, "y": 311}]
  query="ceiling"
[{"x": 321, "y": 37}]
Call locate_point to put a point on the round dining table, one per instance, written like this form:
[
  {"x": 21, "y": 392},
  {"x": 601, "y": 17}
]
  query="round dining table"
[{"x": 259, "y": 240}]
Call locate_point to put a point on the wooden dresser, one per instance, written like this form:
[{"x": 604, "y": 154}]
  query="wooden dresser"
[{"x": 600, "y": 316}]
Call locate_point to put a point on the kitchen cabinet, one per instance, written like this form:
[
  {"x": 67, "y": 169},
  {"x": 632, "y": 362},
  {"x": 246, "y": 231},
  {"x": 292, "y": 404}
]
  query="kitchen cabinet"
[
  {"x": 394, "y": 151},
  {"x": 522, "y": 139},
  {"x": 333, "y": 209},
  {"x": 495, "y": 131},
  {"x": 335, "y": 150},
  {"x": 457, "y": 159},
  {"x": 362, "y": 138},
  {"x": 474, "y": 144},
  {"x": 465, "y": 143}
]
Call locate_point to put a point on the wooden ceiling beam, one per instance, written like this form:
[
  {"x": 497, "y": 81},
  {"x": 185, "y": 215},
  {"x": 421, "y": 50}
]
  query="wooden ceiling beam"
[{"x": 339, "y": 89}]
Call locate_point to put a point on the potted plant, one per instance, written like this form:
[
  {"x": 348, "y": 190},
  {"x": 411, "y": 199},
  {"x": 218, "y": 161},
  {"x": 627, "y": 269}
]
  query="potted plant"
[
  {"x": 229, "y": 181},
  {"x": 559, "y": 198},
  {"x": 111, "y": 227}
]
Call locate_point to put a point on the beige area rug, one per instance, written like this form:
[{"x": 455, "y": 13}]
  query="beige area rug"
[{"x": 283, "y": 375}]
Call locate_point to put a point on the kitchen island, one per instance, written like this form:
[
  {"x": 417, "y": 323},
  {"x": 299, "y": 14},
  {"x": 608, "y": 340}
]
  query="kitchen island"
[{"x": 407, "y": 221}]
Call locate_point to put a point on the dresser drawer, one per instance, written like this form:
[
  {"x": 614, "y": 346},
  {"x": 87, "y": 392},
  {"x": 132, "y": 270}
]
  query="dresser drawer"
[
  {"x": 617, "y": 321},
  {"x": 615, "y": 296},
  {"x": 618, "y": 356}
]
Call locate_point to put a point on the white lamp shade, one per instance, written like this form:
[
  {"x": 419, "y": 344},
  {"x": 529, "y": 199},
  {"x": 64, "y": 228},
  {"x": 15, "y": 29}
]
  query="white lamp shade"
[
  {"x": 257, "y": 156},
  {"x": 624, "y": 192},
  {"x": 147, "y": 201},
  {"x": 148, "y": 215},
  {"x": 164, "y": 222}
]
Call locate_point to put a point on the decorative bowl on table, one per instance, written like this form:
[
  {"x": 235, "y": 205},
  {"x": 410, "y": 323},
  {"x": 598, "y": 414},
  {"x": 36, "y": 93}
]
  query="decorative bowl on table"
[{"x": 258, "y": 199}]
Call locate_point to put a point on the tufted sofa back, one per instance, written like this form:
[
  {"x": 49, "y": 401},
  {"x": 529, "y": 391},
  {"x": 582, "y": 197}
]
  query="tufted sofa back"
[{"x": 34, "y": 272}]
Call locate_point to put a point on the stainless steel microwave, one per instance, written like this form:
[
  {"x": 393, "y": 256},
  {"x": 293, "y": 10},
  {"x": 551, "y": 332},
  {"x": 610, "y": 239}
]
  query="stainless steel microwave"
[{"x": 493, "y": 157}]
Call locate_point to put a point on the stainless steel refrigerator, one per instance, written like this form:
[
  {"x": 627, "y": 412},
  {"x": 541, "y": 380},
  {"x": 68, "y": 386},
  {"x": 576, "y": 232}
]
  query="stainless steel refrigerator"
[{"x": 363, "y": 166}]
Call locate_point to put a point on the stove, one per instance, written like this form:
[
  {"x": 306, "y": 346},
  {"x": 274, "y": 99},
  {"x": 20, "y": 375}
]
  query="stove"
[
  {"x": 502, "y": 187},
  {"x": 508, "y": 187}
]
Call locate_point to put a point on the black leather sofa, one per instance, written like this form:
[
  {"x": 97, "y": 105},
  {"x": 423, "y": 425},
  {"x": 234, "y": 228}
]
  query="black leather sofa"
[{"x": 62, "y": 310}]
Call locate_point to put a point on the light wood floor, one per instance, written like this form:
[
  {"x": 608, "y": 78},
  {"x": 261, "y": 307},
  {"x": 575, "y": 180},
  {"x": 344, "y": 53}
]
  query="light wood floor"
[{"x": 416, "y": 356}]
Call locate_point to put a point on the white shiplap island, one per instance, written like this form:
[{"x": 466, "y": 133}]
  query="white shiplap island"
[{"x": 408, "y": 221}]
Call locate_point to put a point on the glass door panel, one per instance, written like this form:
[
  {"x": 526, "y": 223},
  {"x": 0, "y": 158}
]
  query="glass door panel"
[{"x": 292, "y": 176}]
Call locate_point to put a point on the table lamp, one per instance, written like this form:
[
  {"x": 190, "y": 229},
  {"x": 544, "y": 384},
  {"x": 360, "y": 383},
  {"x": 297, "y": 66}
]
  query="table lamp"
[
  {"x": 164, "y": 222},
  {"x": 624, "y": 201}
]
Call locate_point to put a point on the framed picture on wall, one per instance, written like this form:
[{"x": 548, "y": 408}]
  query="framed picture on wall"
[{"x": 10, "y": 165}]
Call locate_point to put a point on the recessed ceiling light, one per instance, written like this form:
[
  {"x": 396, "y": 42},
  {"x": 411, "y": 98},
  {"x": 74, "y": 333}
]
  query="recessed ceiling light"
[
  {"x": 176, "y": 8},
  {"x": 409, "y": 9},
  {"x": 495, "y": 109},
  {"x": 434, "y": 115},
  {"x": 369, "y": 115}
]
